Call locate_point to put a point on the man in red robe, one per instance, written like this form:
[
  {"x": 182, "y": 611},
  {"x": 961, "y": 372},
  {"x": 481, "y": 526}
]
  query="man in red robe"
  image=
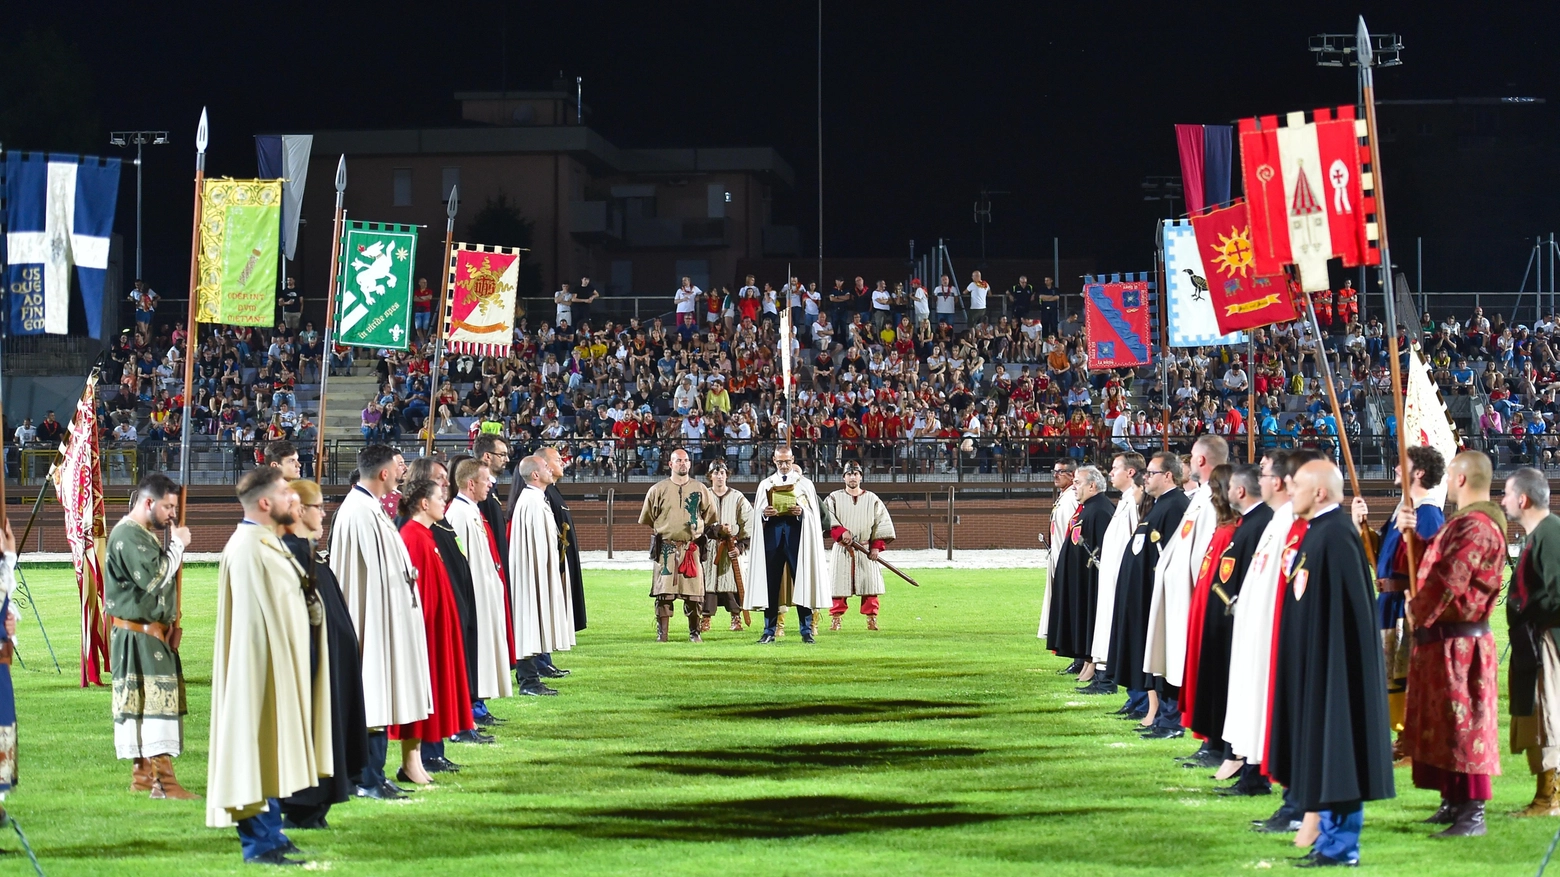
[{"x": 1451, "y": 730}]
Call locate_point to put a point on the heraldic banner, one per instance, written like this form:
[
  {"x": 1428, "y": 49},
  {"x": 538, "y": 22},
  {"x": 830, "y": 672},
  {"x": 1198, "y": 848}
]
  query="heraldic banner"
[
  {"x": 240, "y": 245},
  {"x": 480, "y": 317},
  {"x": 1241, "y": 299},
  {"x": 59, "y": 215},
  {"x": 1188, "y": 307},
  {"x": 1116, "y": 320},
  {"x": 376, "y": 285},
  {"x": 78, "y": 482}
]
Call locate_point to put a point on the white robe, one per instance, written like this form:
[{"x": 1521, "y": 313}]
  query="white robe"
[
  {"x": 1174, "y": 579},
  {"x": 379, "y": 584},
  {"x": 543, "y": 606},
  {"x": 868, "y": 521},
  {"x": 493, "y": 679},
  {"x": 811, "y": 587},
  {"x": 1113, "y": 547},
  {"x": 1251, "y": 642},
  {"x": 1061, "y": 515}
]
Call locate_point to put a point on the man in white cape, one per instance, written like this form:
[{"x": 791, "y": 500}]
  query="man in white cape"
[
  {"x": 1125, "y": 472},
  {"x": 270, "y": 710},
  {"x": 539, "y": 591},
  {"x": 786, "y": 564},
  {"x": 1061, "y": 514},
  {"x": 379, "y": 584},
  {"x": 464, "y": 514}
]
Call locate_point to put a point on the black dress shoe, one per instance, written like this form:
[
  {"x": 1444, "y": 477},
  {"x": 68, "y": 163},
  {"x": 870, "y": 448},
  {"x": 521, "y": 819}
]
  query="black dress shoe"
[
  {"x": 766, "y": 639},
  {"x": 538, "y": 690},
  {"x": 383, "y": 791},
  {"x": 550, "y": 672},
  {"x": 440, "y": 764},
  {"x": 1165, "y": 734},
  {"x": 1072, "y": 669},
  {"x": 808, "y": 638},
  {"x": 472, "y": 736},
  {"x": 1125, "y": 708},
  {"x": 1277, "y": 825},
  {"x": 1097, "y": 687},
  {"x": 1135, "y": 716},
  {"x": 277, "y": 856},
  {"x": 1243, "y": 788},
  {"x": 485, "y": 721},
  {"x": 1318, "y": 860},
  {"x": 1208, "y": 758},
  {"x": 292, "y": 850},
  {"x": 396, "y": 788}
]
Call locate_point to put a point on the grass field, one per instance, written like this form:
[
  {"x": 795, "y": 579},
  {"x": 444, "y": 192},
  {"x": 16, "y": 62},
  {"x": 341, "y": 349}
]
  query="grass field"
[{"x": 943, "y": 744}]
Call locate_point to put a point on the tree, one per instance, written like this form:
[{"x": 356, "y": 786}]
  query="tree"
[
  {"x": 500, "y": 223},
  {"x": 46, "y": 100}
]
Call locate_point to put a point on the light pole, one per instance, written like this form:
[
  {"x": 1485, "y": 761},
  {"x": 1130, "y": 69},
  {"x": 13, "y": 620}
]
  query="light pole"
[{"x": 140, "y": 139}]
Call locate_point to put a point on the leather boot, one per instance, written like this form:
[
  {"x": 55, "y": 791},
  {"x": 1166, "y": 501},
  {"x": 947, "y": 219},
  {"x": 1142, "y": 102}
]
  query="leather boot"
[
  {"x": 1546, "y": 799},
  {"x": 736, "y": 622},
  {"x": 1443, "y": 815},
  {"x": 165, "y": 784},
  {"x": 662, "y": 625},
  {"x": 780, "y": 626},
  {"x": 695, "y": 627},
  {"x": 1469, "y": 822},
  {"x": 141, "y": 776},
  {"x": 834, "y": 623},
  {"x": 872, "y": 622}
]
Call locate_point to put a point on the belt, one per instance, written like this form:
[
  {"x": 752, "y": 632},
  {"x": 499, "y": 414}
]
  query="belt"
[
  {"x": 1455, "y": 630},
  {"x": 1392, "y": 585},
  {"x": 151, "y": 628}
]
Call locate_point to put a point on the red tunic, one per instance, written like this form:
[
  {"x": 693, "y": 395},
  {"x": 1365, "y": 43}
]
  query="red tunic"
[
  {"x": 1221, "y": 540},
  {"x": 446, "y": 650},
  {"x": 1452, "y": 721}
]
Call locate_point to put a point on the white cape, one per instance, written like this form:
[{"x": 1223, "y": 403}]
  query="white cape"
[
  {"x": 543, "y": 606},
  {"x": 1251, "y": 643},
  {"x": 1061, "y": 514},
  {"x": 487, "y": 581},
  {"x": 1174, "y": 579},
  {"x": 812, "y": 586},
  {"x": 378, "y": 582},
  {"x": 1113, "y": 547}
]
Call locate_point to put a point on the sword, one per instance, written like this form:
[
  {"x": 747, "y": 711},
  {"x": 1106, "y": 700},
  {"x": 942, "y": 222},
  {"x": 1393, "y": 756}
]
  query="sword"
[
  {"x": 851, "y": 547},
  {"x": 727, "y": 549}
]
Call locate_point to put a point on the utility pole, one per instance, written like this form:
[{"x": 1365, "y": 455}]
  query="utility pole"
[{"x": 140, "y": 139}]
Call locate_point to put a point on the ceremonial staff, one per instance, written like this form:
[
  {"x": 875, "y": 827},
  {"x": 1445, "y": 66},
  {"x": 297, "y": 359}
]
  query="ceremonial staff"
[
  {"x": 330, "y": 316},
  {"x": 191, "y": 341},
  {"x": 785, "y": 370},
  {"x": 438, "y": 320},
  {"x": 1325, "y": 367},
  {"x": 1366, "y": 55}
]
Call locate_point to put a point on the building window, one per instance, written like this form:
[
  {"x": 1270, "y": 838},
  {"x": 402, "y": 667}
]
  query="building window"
[
  {"x": 449, "y": 179},
  {"x": 401, "y": 189}
]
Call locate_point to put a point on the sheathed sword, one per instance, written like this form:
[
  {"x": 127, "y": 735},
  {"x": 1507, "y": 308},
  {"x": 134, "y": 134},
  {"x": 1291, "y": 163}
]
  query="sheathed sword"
[{"x": 727, "y": 550}]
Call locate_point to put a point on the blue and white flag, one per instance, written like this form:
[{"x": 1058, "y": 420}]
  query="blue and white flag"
[
  {"x": 1188, "y": 307},
  {"x": 59, "y": 214}
]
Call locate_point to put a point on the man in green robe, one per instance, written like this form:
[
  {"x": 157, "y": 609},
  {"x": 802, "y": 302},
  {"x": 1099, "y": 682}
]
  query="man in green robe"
[{"x": 140, "y": 585}]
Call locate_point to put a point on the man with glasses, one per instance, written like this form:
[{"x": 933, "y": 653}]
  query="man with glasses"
[
  {"x": 786, "y": 564},
  {"x": 1062, "y": 509}
]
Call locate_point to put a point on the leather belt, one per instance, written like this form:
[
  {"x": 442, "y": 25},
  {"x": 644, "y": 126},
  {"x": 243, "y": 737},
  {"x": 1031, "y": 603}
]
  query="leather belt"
[
  {"x": 1392, "y": 585},
  {"x": 1455, "y": 630},
  {"x": 150, "y": 628}
]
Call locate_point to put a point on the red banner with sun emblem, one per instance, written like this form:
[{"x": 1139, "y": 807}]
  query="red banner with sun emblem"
[
  {"x": 480, "y": 317},
  {"x": 1242, "y": 299}
]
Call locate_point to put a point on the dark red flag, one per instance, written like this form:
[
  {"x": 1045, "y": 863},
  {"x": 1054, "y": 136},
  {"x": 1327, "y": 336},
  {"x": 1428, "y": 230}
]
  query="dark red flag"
[{"x": 1242, "y": 297}]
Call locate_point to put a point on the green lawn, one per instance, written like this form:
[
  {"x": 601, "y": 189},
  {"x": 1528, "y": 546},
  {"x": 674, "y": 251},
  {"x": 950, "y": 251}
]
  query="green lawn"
[{"x": 943, "y": 744}]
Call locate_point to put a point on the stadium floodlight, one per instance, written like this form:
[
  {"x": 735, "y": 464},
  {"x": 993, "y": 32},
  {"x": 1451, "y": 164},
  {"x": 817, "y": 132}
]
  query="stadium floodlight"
[{"x": 140, "y": 139}]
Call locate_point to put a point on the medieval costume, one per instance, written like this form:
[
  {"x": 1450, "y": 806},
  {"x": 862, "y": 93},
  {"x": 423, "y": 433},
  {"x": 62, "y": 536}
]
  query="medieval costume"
[
  {"x": 8, "y": 770},
  {"x": 1392, "y": 590},
  {"x": 1135, "y": 590},
  {"x": 447, "y": 673},
  {"x": 864, "y": 519},
  {"x": 462, "y": 591},
  {"x": 1113, "y": 550},
  {"x": 568, "y": 542},
  {"x": 1202, "y": 590},
  {"x": 679, "y": 515},
  {"x": 140, "y": 594},
  {"x": 1061, "y": 514},
  {"x": 1210, "y": 682},
  {"x": 786, "y": 566},
  {"x": 270, "y": 690},
  {"x": 725, "y": 559},
  {"x": 1077, "y": 582},
  {"x": 539, "y": 593},
  {"x": 490, "y": 633},
  {"x": 379, "y": 585},
  {"x": 1533, "y": 611},
  {"x": 1175, "y": 579},
  {"x": 1248, "y": 696},
  {"x": 1451, "y": 729},
  {"x": 1329, "y": 740}
]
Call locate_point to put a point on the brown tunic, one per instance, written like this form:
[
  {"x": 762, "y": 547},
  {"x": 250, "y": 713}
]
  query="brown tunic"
[{"x": 679, "y": 514}]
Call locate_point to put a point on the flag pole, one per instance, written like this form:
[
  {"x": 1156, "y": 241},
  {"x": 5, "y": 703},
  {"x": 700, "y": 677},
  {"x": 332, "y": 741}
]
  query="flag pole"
[
  {"x": 192, "y": 334},
  {"x": 1251, "y": 399},
  {"x": 1325, "y": 367},
  {"x": 1366, "y": 55},
  {"x": 6, "y": 335},
  {"x": 429, "y": 423},
  {"x": 330, "y": 318},
  {"x": 785, "y": 372}
]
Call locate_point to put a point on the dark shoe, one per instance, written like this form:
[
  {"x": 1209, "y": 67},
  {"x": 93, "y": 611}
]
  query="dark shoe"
[
  {"x": 807, "y": 637},
  {"x": 277, "y": 856},
  {"x": 695, "y": 638},
  {"x": 1469, "y": 821},
  {"x": 1446, "y": 814},
  {"x": 1207, "y": 758},
  {"x": 438, "y": 765},
  {"x": 1277, "y": 825},
  {"x": 538, "y": 690},
  {"x": 766, "y": 639},
  {"x": 1096, "y": 687},
  {"x": 1317, "y": 860},
  {"x": 292, "y": 850},
  {"x": 400, "y": 776},
  {"x": 380, "y": 792},
  {"x": 1135, "y": 716},
  {"x": 1125, "y": 708},
  {"x": 1164, "y": 733},
  {"x": 1072, "y": 669},
  {"x": 487, "y": 721},
  {"x": 1243, "y": 789},
  {"x": 548, "y": 671},
  {"x": 472, "y": 736}
]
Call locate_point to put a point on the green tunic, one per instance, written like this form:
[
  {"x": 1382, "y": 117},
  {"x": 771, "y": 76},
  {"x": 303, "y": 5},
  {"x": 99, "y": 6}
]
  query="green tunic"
[{"x": 140, "y": 584}]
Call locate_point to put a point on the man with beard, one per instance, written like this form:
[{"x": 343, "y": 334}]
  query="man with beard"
[
  {"x": 539, "y": 593},
  {"x": 786, "y": 566},
  {"x": 861, "y": 529},
  {"x": 679, "y": 511},
  {"x": 1062, "y": 473},
  {"x": 1533, "y": 612},
  {"x": 1331, "y": 742},
  {"x": 141, "y": 597},
  {"x": 1126, "y": 475},
  {"x": 1135, "y": 586},
  {"x": 734, "y": 529},
  {"x": 1072, "y": 613}
]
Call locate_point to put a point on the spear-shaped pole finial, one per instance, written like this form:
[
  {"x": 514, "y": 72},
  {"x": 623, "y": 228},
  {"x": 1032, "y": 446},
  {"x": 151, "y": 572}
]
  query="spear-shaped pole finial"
[
  {"x": 454, "y": 204},
  {"x": 202, "y": 133},
  {"x": 341, "y": 174},
  {"x": 1362, "y": 47}
]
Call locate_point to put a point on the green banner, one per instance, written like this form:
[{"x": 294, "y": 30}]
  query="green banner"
[
  {"x": 240, "y": 237},
  {"x": 375, "y": 306}
]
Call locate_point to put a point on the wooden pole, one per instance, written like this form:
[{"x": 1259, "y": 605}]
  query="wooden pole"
[
  {"x": 1251, "y": 400},
  {"x": 1366, "y": 55},
  {"x": 1325, "y": 367},
  {"x": 330, "y": 316},
  {"x": 1164, "y": 340},
  {"x": 430, "y": 423},
  {"x": 611, "y": 501},
  {"x": 950, "y": 521},
  {"x": 191, "y": 342}
]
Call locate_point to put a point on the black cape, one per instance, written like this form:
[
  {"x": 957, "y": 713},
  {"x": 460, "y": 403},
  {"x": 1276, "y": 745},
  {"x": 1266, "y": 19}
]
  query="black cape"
[
  {"x": 1077, "y": 582},
  {"x": 571, "y": 551},
  {"x": 493, "y": 512},
  {"x": 1218, "y": 629},
  {"x": 1135, "y": 590},
  {"x": 464, "y": 590},
  {"x": 1330, "y": 736},
  {"x": 349, "y": 731}
]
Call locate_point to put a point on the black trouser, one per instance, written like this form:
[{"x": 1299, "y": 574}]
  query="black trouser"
[
  {"x": 717, "y": 600},
  {"x": 526, "y": 673},
  {"x": 374, "y": 767}
]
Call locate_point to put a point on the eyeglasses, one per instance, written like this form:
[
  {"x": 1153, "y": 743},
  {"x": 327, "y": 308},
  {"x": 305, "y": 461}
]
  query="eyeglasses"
[{"x": 1153, "y": 471}]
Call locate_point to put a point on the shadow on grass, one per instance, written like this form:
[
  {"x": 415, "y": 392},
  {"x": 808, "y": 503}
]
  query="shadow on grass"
[
  {"x": 857, "y": 710},
  {"x": 760, "y": 760},
  {"x": 211, "y": 843},
  {"x": 770, "y": 818}
]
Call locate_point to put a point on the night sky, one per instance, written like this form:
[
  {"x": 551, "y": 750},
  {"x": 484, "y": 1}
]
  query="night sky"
[{"x": 1066, "y": 106}]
